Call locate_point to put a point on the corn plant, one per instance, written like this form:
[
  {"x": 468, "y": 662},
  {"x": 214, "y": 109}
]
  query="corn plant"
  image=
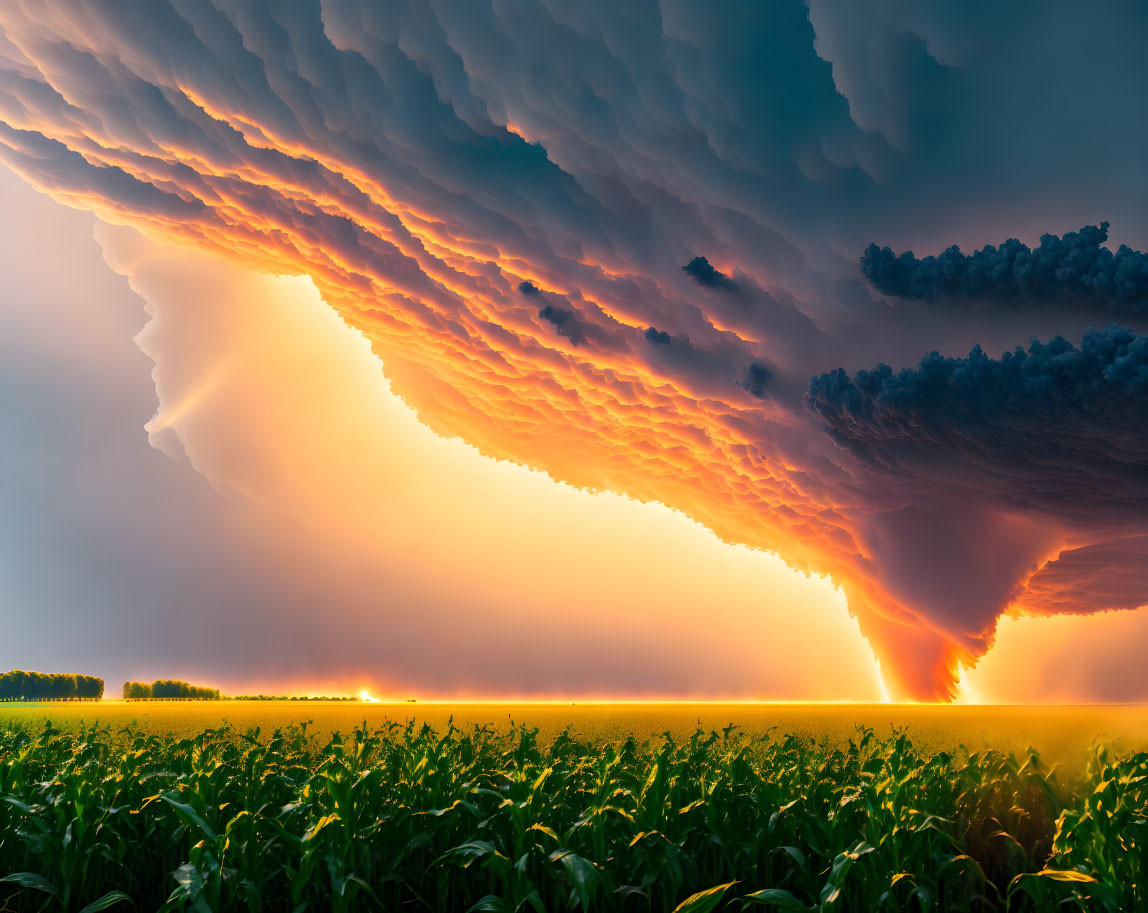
[{"x": 404, "y": 817}]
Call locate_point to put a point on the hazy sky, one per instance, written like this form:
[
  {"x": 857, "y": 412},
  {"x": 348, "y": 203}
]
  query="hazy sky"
[
  {"x": 339, "y": 544},
  {"x": 501, "y": 214}
]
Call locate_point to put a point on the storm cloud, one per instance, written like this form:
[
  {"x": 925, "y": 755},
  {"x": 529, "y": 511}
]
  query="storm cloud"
[
  {"x": 756, "y": 378},
  {"x": 1074, "y": 268},
  {"x": 1053, "y": 428},
  {"x": 475, "y": 189},
  {"x": 703, "y": 273}
]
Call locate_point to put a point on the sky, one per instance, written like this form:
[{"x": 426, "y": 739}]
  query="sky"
[{"x": 515, "y": 350}]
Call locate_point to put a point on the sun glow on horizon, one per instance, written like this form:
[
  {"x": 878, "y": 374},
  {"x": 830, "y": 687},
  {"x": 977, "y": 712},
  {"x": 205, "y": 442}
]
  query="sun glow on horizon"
[{"x": 966, "y": 691}]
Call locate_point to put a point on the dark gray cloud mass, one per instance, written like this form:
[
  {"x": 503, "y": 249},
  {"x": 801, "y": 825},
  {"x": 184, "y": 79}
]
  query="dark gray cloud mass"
[
  {"x": 1055, "y": 427},
  {"x": 563, "y": 321},
  {"x": 756, "y": 378},
  {"x": 501, "y": 197},
  {"x": 1074, "y": 268},
  {"x": 703, "y": 273}
]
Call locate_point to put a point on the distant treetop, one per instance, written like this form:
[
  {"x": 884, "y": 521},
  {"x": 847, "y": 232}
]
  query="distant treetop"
[{"x": 168, "y": 689}]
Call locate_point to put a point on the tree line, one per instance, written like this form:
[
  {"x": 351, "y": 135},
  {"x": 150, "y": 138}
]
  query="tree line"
[
  {"x": 168, "y": 689},
  {"x": 284, "y": 697},
  {"x": 18, "y": 685}
]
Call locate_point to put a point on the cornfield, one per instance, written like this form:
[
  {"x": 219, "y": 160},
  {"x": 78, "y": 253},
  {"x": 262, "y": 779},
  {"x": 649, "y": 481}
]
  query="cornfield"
[{"x": 410, "y": 818}]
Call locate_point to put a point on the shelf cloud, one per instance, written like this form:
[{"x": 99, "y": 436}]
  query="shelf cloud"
[{"x": 501, "y": 200}]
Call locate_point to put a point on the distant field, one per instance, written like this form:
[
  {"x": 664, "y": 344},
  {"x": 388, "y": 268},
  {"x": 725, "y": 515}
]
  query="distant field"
[{"x": 1060, "y": 733}]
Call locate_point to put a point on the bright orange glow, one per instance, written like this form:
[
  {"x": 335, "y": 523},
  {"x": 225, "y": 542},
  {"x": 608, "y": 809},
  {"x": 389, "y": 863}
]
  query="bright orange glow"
[{"x": 327, "y": 457}]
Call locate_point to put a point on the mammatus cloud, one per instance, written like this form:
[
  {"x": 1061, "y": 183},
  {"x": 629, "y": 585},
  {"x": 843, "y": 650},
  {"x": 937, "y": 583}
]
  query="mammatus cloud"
[
  {"x": 1075, "y": 268},
  {"x": 500, "y": 200}
]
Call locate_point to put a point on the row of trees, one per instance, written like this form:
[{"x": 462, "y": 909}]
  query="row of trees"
[
  {"x": 168, "y": 689},
  {"x": 47, "y": 686},
  {"x": 284, "y": 697}
]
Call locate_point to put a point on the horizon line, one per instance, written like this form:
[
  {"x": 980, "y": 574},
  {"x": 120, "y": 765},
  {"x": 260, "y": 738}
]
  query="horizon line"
[{"x": 605, "y": 702}]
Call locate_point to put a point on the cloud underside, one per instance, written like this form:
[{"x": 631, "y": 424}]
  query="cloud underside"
[
  {"x": 1020, "y": 454},
  {"x": 1053, "y": 429},
  {"x": 519, "y": 212}
]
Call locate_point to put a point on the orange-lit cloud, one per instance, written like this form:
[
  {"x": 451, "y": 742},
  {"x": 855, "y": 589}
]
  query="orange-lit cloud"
[
  {"x": 516, "y": 264},
  {"x": 521, "y": 587}
]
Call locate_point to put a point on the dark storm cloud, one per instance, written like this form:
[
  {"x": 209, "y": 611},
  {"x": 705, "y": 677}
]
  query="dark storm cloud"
[
  {"x": 562, "y": 319},
  {"x": 1054, "y": 428},
  {"x": 564, "y": 322},
  {"x": 657, "y": 337},
  {"x": 756, "y": 378},
  {"x": 703, "y": 273},
  {"x": 1074, "y": 268},
  {"x": 419, "y": 160}
]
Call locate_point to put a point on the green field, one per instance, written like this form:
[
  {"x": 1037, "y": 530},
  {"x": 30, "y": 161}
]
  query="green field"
[
  {"x": 1060, "y": 734},
  {"x": 557, "y": 807}
]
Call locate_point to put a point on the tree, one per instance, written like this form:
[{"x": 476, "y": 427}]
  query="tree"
[
  {"x": 35, "y": 686},
  {"x": 170, "y": 688},
  {"x": 61, "y": 687},
  {"x": 137, "y": 691},
  {"x": 90, "y": 687},
  {"x": 42, "y": 686},
  {"x": 10, "y": 686}
]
